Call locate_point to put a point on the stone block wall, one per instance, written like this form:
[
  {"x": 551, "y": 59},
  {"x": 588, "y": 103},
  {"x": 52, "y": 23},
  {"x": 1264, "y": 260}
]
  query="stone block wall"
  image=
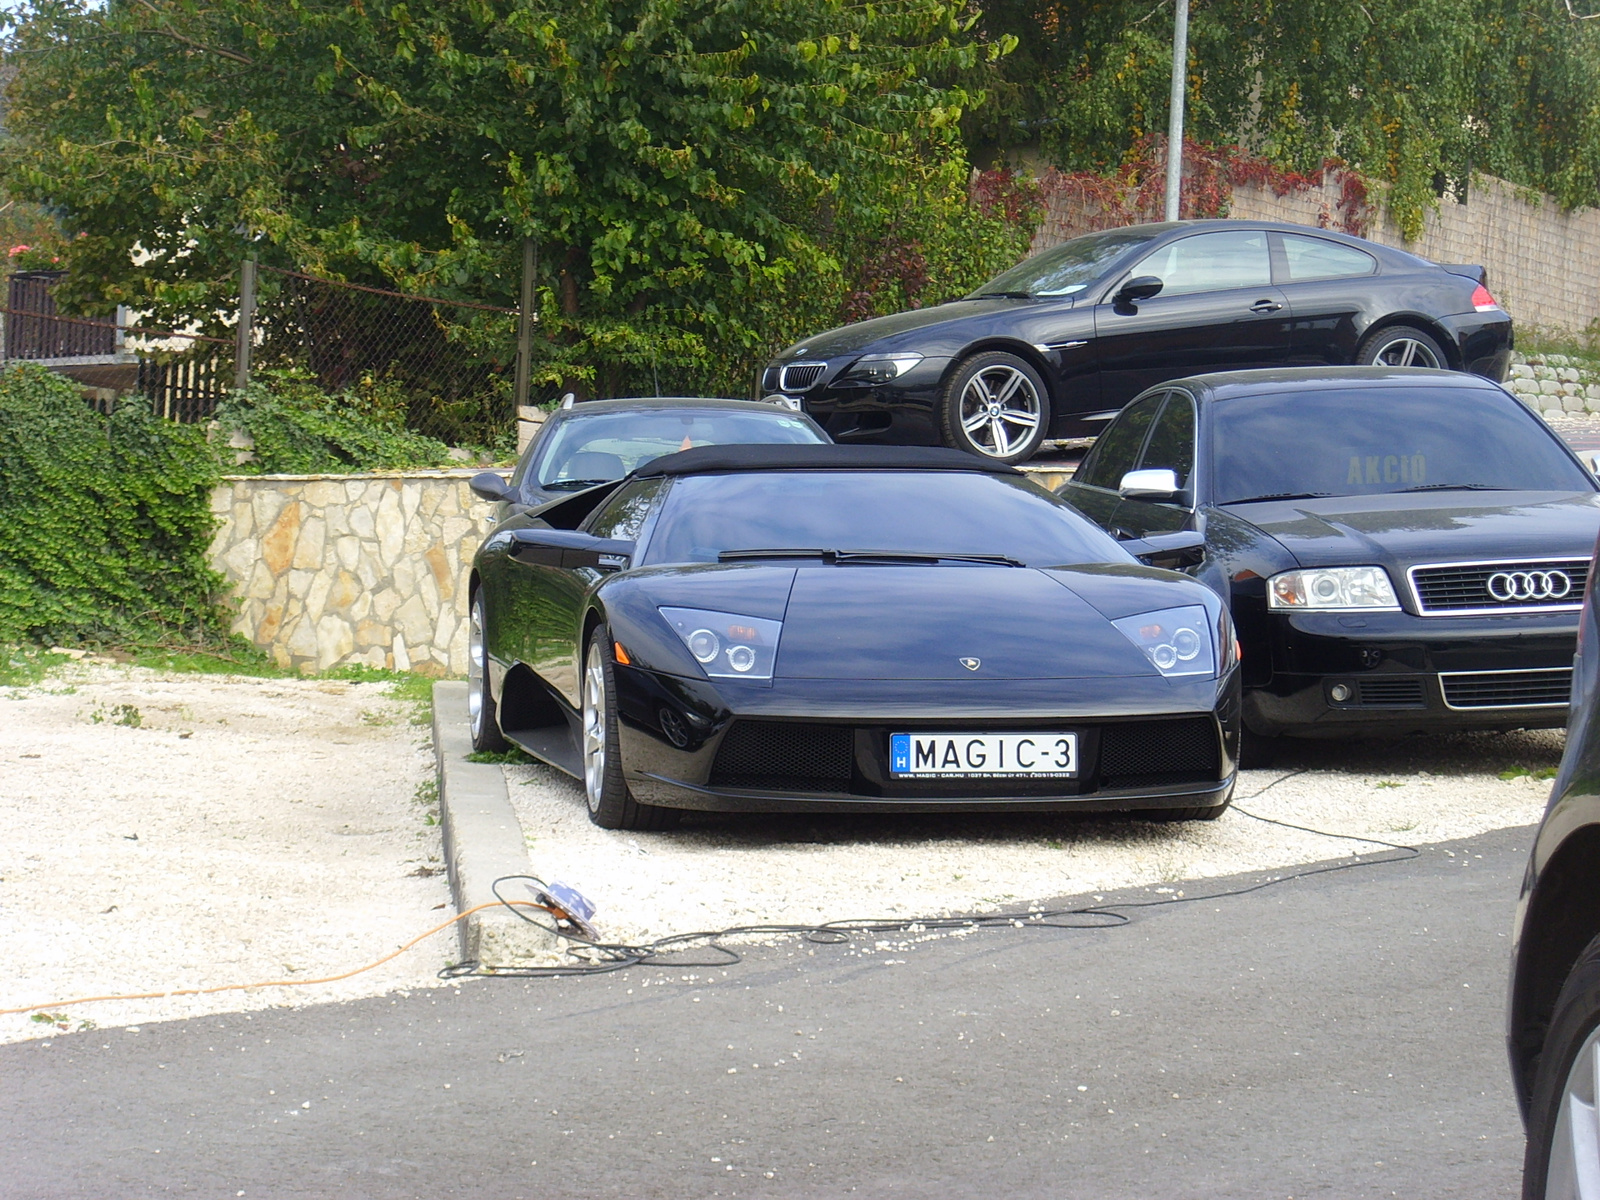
[
  {"x": 330, "y": 570},
  {"x": 1555, "y": 384}
]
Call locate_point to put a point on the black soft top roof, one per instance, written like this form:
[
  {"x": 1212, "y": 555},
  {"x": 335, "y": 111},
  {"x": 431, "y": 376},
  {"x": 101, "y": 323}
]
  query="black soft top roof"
[{"x": 709, "y": 460}]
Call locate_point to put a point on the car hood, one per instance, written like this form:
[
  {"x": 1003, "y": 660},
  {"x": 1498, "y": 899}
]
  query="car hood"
[
  {"x": 850, "y": 338},
  {"x": 1400, "y": 531},
  {"x": 903, "y": 622}
]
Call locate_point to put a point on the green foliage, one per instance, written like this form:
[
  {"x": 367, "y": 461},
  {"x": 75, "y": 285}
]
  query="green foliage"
[
  {"x": 299, "y": 429},
  {"x": 104, "y": 521},
  {"x": 1415, "y": 93},
  {"x": 23, "y": 666},
  {"x": 702, "y": 176}
]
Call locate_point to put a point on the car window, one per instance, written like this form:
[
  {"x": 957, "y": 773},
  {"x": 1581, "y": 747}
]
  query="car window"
[
  {"x": 1318, "y": 258},
  {"x": 1171, "y": 444},
  {"x": 599, "y": 447},
  {"x": 623, "y": 516},
  {"x": 1211, "y": 262},
  {"x": 924, "y": 512},
  {"x": 1373, "y": 440},
  {"x": 1067, "y": 269},
  {"x": 1115, "y": 451}
]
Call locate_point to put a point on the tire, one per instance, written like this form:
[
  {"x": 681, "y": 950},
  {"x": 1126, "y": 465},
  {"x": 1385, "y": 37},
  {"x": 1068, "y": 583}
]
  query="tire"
[
  {"x": 1564, "y": 1088},
  {"x": 483, "y": 719},
  {"x": 611, "y": 805},
  {"x": 1257, "y": 751},
  {"x": 995, "y": 406},
  {"x": 1402, "y": 346}
]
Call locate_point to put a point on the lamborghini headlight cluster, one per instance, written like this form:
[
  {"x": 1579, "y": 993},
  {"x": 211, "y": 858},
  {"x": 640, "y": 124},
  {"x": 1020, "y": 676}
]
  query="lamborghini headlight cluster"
[
  {"x": 1177, "y": 641},
  {"x": 727, "y": 645},
  {"x": 1332, "y": 588}
]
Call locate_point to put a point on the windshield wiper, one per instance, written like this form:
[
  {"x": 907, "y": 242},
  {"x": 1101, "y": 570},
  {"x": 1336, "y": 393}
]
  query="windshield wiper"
[
  {"x": 868, "y": 556},
  {"x": 575, "y": 485},
  {"x": 1002, "y": 296},
  {"x": 1453, "y": 487},
  {"x": 1282, "y": 496}
]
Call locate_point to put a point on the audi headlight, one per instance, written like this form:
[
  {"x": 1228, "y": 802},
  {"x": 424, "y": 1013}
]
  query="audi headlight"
[
  {"x": 1331, "y": 589},
  {"x": 879, "y": 368},
  {"x": 1177, "y": 641},
  {"x": 727, "y": 645}
]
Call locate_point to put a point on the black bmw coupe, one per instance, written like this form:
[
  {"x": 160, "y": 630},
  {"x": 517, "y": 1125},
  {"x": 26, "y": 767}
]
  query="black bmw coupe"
[
  {"x": 781, "y": 628},
  {"x": 1403, "y": 550},
  {"x": 1059, "y": 343}
]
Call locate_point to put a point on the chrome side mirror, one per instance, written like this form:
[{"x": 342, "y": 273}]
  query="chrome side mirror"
[
  {"x": 1157, "y": 484},
  {"x": 1591, "y": 459}
]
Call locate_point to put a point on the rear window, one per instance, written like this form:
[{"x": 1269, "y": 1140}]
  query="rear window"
[
  {"x": 1376, "y": 440},
  {"x": 928, "y": 512}
]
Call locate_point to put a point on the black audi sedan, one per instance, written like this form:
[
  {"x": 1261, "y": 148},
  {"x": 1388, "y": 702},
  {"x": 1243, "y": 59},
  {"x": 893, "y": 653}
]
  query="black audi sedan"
[
  {"x": 600, "y": 441},
  {"x": 1553, "y": 1010},
  {"x": 1059, "y": 343},
  {"x": 1402, "y": 549},
  {"x": 784, "y": 628}
]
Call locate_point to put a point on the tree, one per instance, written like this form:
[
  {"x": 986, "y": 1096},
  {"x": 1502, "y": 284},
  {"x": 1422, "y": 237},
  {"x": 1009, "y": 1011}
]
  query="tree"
[{"x": 691, "y": 169}]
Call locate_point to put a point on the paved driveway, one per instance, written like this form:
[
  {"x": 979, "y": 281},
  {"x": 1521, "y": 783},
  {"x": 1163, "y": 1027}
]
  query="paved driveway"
[{"x": 1335, "y": 1036}]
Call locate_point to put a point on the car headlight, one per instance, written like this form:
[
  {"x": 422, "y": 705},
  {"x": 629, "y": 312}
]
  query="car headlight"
[
  {"x": 879, "y": 368},
  {"x": 1177, "y": 641},
  {"x": 727, "y": 645},
  {"x": 1332, "y": 588}
]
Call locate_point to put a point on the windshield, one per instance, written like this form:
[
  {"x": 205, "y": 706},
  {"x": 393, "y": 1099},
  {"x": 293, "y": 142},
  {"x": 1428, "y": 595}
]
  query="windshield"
[
  {"x": 600, "y": 447},
  {"x": 1377, "y": 440},
  {"x": 1067, "y": 269},
  {"x": 989, "y": 518}
]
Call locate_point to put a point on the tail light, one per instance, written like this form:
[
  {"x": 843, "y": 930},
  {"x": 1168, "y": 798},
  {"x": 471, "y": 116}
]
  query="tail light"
[{"x": 1482, "y": 301}]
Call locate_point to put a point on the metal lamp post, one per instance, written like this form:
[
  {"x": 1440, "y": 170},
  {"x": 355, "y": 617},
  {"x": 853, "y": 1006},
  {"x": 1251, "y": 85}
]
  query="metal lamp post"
[{"x": 1180, "y": 65}]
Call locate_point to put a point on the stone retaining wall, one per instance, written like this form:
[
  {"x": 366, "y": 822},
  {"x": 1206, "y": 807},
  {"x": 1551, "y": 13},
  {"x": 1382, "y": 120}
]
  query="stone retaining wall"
[
  {"x": 330, "y": 570},
  {"x": 1554, "y": 384}
]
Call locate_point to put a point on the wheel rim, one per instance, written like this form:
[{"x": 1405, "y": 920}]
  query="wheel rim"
[
  {"x": 477, "y": 668},
  {"x": 1407, "y": 352},
  {"x": 1574, "y": 1168},
  {"x": 1000, "y": 410},
  {"x": 594, "y": 726}
]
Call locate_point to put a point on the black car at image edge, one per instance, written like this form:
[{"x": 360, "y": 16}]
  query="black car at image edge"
[
  {"x": 784, "y": 628},
  {"x": 1063, "y": 340}
]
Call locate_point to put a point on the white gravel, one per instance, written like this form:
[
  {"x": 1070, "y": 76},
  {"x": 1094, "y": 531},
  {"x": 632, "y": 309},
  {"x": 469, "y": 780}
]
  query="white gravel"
[
  {"x": 718, "y": 871},
  {"x": 246, "y": 829}
]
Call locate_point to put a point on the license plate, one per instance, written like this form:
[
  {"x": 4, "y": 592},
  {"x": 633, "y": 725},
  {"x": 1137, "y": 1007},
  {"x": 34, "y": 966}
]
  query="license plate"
[{"x": 984, "y": 755}]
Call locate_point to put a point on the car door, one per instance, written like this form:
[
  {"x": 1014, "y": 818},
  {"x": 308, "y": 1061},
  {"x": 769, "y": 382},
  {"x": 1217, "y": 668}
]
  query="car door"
[
  {"x": 1169, "y": 446},
  {"x": 1330, "y": 290},
  {"x": 1092, "y": 490},
  {"x": 1217, "y": 310}
]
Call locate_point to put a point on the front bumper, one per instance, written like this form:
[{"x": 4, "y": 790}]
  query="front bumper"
[
  {"x": 904, "y": 412},
  {"x": 812, "y": 744},
  {"x": 1343, "y": 674}
]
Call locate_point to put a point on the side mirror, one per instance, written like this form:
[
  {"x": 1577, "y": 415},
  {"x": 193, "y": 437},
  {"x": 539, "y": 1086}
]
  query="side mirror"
[
  {"x": 486, "y": 485},
  {"x": 569, "y": 548},
  {"x": 1140, "y": 287},
  {"x": 1158, "y": 485},
  {"x": 1591, "y": 459},
  {"x": 1174, "y": 551}
]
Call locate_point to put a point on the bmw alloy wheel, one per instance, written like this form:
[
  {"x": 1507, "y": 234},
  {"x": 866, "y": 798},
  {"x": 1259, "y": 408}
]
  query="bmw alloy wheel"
[
  {"x": 1574, "y": 1164},
  {"x": 477, "y": 668},
  {"x": 594, "y": 726},
  {"x": 1000, "y": 410},
  {"x": 1407, "y": 352}
]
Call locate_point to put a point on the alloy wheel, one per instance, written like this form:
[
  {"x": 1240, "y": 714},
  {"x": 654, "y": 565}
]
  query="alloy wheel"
[
  {"x": 1407, "y": 352},
  {"x": 1000, "y": 410},
  {"x": 594, "y": 726},
  {"x": 477, "y": 667},
  {"x": 1574, "y": 1165}
]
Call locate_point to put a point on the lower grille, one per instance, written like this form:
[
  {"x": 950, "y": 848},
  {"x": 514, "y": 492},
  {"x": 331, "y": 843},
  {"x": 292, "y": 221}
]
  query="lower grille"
[
  {"x": 1140, "y": 753},
  {"x": 1389, "y": 693},
  {"x": 1508, "y": 689},
  {"x": 785, "y": 756}
]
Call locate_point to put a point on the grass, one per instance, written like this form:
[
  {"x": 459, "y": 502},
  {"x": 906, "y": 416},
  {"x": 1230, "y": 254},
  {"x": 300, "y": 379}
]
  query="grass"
[
  {"x": 1537, "y": 344},
  {"x": 512, "y": 757},
  {"x": 1536, "y": 773},
  {"x": 24, "y": 666}
]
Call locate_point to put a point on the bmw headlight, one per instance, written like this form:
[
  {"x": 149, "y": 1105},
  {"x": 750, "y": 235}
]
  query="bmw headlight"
[
  {"x": 726, "y": 645},
  {"x": 1332, "y": 588},
  {"x": 879, "y": 368},
  {"x": 1177, "y": 641}
]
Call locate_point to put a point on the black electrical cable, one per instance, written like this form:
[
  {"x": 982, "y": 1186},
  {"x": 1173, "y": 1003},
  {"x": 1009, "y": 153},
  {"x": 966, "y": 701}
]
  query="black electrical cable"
[{"x": 618, "y": 956}]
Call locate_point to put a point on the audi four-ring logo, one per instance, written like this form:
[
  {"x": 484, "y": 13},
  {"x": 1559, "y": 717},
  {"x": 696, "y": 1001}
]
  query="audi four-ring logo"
[{"x": 1529, "y": 585}]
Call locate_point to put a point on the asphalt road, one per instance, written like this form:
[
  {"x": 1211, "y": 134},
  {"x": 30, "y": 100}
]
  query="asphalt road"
[{"x": 1335, "y": 1036}]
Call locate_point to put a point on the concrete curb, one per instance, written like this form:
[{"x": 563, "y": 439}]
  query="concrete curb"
[{"x": 482, "y": 842}]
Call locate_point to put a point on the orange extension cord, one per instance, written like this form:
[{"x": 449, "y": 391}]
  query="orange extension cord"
[{"x": 239, "y": 987}]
